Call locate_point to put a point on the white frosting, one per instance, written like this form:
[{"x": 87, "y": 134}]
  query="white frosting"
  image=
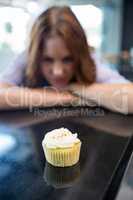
[{"x": 61, "y": 138}]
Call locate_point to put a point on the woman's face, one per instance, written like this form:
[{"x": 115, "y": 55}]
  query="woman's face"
[{"x": 58, "y": 66}]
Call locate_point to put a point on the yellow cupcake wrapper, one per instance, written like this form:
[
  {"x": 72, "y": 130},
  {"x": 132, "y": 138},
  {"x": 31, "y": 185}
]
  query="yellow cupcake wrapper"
[{"x": 63, "y": 157}]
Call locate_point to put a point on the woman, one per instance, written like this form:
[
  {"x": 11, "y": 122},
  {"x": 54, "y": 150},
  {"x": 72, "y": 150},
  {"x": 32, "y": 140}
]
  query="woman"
[{"x": 58, "y": 57}]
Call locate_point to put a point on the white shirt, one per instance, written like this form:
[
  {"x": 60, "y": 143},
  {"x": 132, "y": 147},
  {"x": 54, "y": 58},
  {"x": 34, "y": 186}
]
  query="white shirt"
[{"x": 14, "y": 73}]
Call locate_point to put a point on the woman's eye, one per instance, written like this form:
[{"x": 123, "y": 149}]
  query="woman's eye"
[
  {"x": 67, "y": 60},
  {"x": 47, "y": 60}
]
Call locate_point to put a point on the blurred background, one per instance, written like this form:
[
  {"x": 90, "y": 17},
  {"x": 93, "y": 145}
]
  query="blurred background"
[{"x": 107, "y": 23}]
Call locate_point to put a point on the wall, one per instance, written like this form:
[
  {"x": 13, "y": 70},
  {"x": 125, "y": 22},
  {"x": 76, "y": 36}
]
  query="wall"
[{"x": 127, "y": 36}]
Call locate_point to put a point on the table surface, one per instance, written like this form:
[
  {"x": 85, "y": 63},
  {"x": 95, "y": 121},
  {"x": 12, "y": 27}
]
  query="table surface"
[
  {"x": 24, "y": 173},
  {"x": 126, "y": 186}
]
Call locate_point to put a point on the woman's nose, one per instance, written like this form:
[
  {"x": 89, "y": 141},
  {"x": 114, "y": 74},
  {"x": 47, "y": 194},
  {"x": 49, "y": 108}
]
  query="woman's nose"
[{"x": 57, "y": 70}]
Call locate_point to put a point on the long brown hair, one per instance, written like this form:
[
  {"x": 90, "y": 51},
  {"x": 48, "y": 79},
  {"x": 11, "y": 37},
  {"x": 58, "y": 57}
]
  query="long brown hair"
[{"x": 59, "y": 21}]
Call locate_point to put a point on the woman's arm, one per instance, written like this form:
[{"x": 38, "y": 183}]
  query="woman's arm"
[
  {"x": 20, "y": 97},
  {"x": 116, "y": 97}
]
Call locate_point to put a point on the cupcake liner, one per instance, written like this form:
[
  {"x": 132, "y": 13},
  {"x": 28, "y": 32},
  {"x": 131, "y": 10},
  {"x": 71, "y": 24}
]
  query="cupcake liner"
[{"x": 63, "y": 157}]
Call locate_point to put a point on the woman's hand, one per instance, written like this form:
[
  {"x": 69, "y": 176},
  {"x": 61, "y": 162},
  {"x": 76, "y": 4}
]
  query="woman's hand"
[
  {"x": 81, "y": 91},
  {"x": 77, "y": 89},
  {"x": 61, "y": 98}
]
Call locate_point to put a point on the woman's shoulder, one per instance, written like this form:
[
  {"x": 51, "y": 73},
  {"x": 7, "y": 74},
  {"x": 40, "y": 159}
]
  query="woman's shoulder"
[
  {"x": 21, "y": 58},
  {"x": 14, "y": 73},
  {"x": 105, "y": 74}
]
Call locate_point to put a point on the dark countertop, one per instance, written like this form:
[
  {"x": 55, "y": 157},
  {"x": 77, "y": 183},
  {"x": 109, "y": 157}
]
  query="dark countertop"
[
  {"x": 126, "y": 187},
  {"x": 24, "y": 173}
]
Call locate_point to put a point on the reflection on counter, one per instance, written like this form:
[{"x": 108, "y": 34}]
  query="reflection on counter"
[{"x": 60, "y": 177}]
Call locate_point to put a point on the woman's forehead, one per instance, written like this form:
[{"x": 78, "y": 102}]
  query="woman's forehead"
[{"x": 55, "y": 45}]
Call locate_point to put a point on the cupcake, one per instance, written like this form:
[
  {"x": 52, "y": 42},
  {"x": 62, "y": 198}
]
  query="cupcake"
[{"x": 61, "y": 147}]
